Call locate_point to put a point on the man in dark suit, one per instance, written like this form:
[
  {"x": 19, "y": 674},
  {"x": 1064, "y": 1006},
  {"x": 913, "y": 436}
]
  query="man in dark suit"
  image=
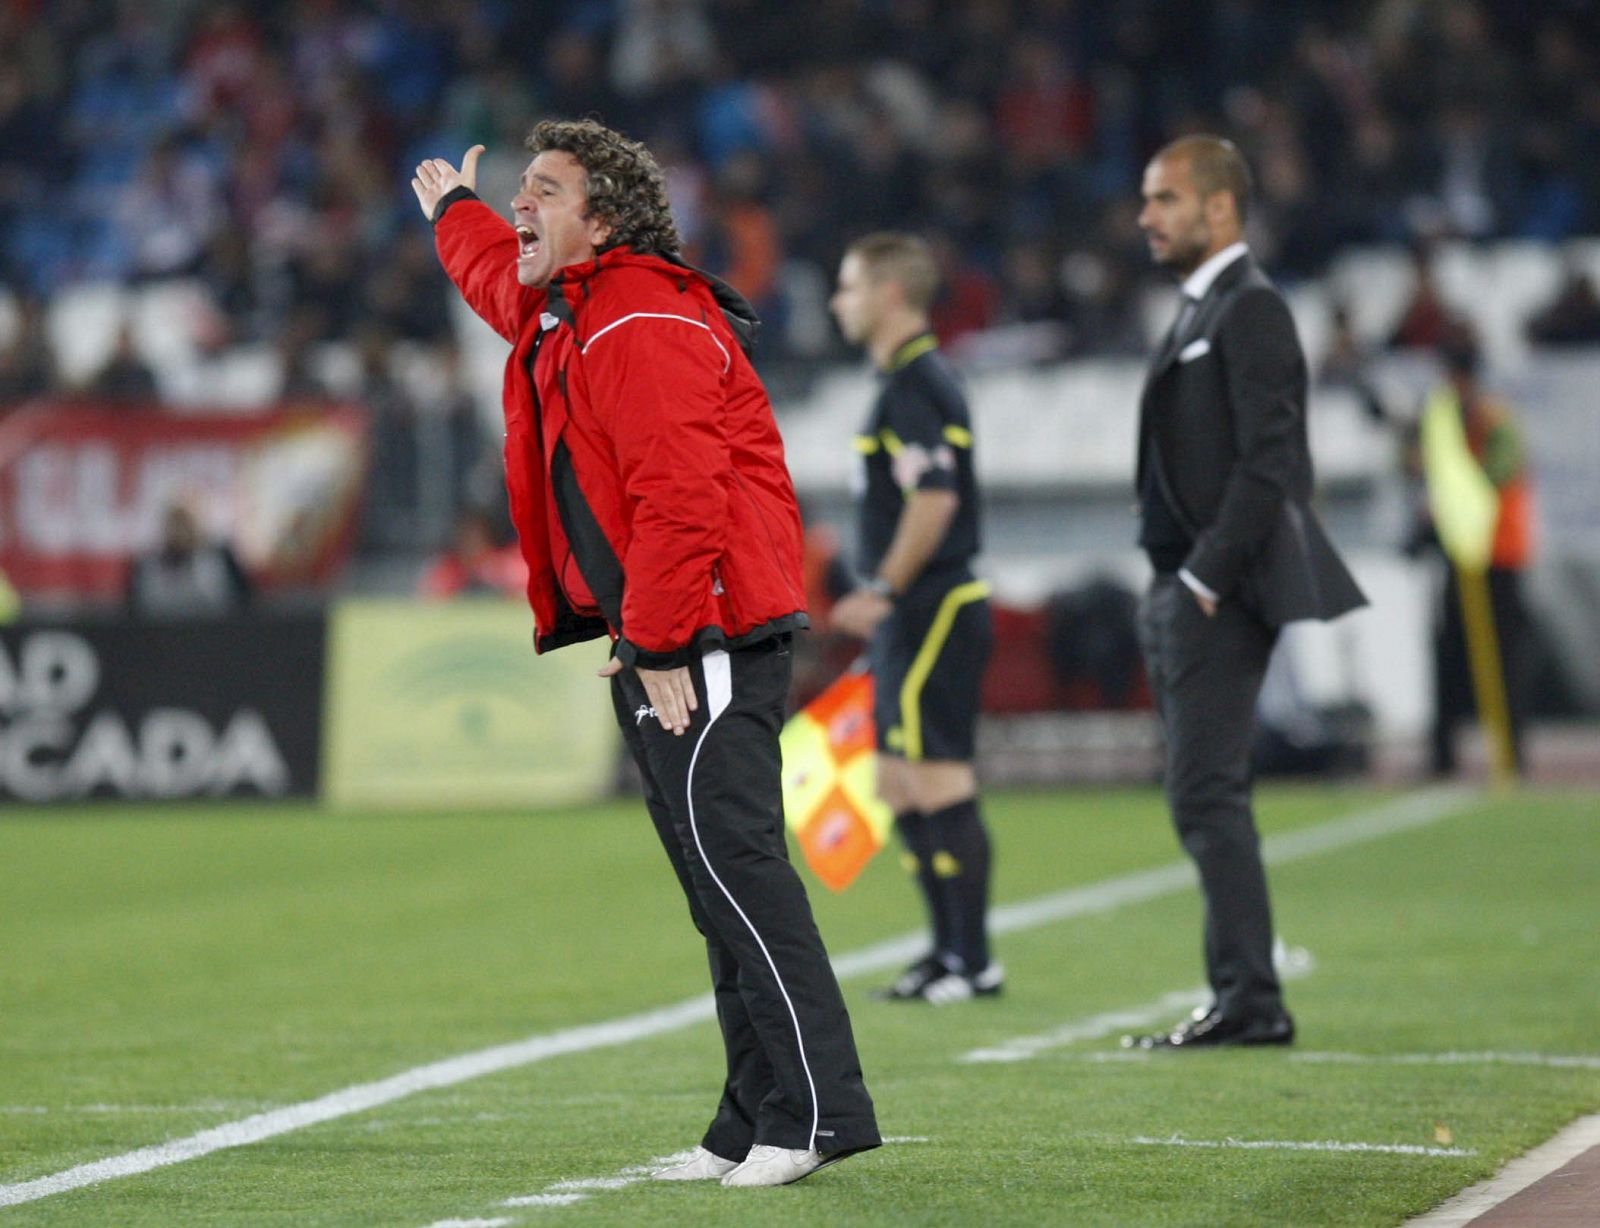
[{"x": 1224, "y": 479}]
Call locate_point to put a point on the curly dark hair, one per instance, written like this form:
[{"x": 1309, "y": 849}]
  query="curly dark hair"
[{"x": 626, "y": 188}]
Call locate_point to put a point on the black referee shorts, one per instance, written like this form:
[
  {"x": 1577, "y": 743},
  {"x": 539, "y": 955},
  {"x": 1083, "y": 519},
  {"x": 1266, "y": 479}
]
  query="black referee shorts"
[{"x": 927, "y": 661}]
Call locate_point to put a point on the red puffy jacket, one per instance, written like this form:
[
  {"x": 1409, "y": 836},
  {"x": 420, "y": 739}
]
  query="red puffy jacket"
[{"x": 645, "y": 470}]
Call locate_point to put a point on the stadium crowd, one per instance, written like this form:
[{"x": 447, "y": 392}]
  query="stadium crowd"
[{"x": 262, "y": 149}]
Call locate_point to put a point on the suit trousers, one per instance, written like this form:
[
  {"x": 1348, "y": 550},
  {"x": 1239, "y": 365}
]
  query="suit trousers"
[
  {"x": 1205, "y": 674},
  {"x": 715, "y": 796}
]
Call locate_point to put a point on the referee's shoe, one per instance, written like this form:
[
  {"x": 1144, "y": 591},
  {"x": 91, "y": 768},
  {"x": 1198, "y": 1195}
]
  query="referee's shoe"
[{"x": 938, "y": 979}]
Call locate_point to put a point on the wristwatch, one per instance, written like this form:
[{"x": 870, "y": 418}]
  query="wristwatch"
[{"x": 880, "y": 585}]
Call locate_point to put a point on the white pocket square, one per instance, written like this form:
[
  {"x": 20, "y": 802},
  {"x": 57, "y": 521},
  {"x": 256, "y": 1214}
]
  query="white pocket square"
[{"x": 1194, "y": 350}]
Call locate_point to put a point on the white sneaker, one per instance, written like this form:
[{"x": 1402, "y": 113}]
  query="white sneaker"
[
  {"x": 779, "y": 1165},
  {"x": 957, "y": 987},
  {"x": 702, "y": 1165}
]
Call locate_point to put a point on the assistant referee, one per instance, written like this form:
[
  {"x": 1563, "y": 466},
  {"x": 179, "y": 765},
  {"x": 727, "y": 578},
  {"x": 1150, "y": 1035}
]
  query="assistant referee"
[{"x": 924, "y": 614}]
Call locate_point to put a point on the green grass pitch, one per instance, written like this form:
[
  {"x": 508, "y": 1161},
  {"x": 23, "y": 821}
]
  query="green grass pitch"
[{"x": 165, "y": 972}]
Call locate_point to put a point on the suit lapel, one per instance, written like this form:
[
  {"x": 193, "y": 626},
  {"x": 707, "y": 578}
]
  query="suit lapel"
[
  {"x": 1204, "y": 317},
  {"x": 1201, "y": 322}
]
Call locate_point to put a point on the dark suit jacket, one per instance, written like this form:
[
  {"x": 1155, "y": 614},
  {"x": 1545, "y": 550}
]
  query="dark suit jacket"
[{"x": 1223, "y": 420}]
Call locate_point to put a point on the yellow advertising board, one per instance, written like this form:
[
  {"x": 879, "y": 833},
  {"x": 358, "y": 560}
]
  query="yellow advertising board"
[{"x": 445, "y": 705}]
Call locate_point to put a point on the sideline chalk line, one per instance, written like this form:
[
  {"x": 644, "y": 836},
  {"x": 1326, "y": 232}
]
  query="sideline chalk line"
[
  {"x": 1292, "y": 963},
  {"x": 576, "y": 1189},
  {"x": 1405, "y": 813},
  {"x": 1250, "y": 1144}
]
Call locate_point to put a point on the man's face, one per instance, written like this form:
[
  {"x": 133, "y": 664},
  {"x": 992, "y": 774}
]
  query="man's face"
[
  {"x": 1174, "y": 217},
  {"x": 858, "y": 302},
  {"x": 550, "y": 213}
]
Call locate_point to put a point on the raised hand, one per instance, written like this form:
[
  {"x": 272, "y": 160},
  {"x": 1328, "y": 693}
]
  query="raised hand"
[{"x": 436, "y": 178}]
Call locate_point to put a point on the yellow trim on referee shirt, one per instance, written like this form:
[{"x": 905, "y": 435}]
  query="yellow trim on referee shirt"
[
  {"x": 913, "y": 350},
  {"x": 892, "y": 442},
  {"x": 922, "y": 665},
  {"x": 958, "y": 435},
  {"x": 865, "y": 444}
]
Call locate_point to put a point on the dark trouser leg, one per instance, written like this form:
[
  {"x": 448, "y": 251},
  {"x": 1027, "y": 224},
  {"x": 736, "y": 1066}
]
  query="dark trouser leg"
[
  {"x": 964, "y": 870},
  {"x": 1511, "y": 626},
  {"x": 1455, "y": 700},
  {"x": 721, "y": 789},
  {"x": 749, "y": 1078},
  {"x": 1452, "y": 677},
  {"x": 1206, "y": 674}
]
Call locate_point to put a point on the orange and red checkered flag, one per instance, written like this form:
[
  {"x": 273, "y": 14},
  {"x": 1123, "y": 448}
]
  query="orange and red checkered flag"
[{"x": 830, "y": 794}]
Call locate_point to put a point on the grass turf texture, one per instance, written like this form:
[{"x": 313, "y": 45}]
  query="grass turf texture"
[{"x": 164, "y": 973}]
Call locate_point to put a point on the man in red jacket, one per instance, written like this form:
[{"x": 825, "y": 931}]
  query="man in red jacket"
[{"x": 653, "y": 505}]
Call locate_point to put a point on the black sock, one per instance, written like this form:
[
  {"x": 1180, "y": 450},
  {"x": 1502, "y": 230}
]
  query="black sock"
[
  {"x": 962, "y": 864},
  {"x": 916, "y": 832}
]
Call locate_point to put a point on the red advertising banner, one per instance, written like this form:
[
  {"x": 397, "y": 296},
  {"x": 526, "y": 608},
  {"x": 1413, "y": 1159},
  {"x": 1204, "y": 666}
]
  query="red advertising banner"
[{"x": 84, "y": 487}]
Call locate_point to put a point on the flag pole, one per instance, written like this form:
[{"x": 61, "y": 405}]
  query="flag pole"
[{"x": 1488, "y": 674}]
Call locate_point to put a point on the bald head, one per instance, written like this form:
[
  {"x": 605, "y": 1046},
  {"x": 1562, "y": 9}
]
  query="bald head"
[{"x": 1215, "y": 165}]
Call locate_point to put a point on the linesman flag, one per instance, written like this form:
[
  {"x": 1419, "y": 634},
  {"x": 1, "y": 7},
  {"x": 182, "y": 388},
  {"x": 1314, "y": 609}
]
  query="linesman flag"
[
  {"x": 830, "y": 794},
  {"x": 1462, "y": 499}
]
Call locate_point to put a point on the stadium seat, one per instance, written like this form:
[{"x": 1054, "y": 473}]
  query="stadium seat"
[{"x": 82, "y": 322}]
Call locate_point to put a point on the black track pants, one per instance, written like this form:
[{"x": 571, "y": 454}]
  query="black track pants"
[{"x": 715, "y": 795}]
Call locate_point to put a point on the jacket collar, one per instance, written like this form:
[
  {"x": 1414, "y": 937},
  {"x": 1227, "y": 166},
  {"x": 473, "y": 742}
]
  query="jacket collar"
[
  {"x": 614, "y": 257},
  {"x": 1198, "y": 283}
]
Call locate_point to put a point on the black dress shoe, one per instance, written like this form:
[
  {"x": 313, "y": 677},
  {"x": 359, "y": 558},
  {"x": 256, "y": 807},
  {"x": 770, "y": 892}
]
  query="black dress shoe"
[{"x": 1213, "y": 1030}]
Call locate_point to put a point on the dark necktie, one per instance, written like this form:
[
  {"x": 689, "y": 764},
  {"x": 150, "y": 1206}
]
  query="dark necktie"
[
  {"x": 1185, "y": 317},
  {"x": 1180, "y": 326}
]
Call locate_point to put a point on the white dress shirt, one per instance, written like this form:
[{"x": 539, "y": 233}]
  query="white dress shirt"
[{"x": 1195, "y": 288}]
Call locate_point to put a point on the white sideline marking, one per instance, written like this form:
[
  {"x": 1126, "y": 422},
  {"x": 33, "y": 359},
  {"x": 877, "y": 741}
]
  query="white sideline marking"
[
  {"x": 211, "y": 1106},
  {"x": 558, "y": 1193},
  {"x": 1292, "y": 964},
  {"x": 590, "y": 1183},
  {"x": 1392, "y": 1149},
  {"x": 1021, "y": 1048},
  {"x": 366, "y": 1096},
  {"x": 472, "y": 1223},
  {"x": 1403, "y": 814},
  {"x": 1515, "y": 1177},
  {"x": 1556, "y": 1061}
]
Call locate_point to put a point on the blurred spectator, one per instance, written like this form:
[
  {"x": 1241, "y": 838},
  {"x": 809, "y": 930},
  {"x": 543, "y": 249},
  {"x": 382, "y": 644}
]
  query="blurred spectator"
[
  {"x": 170, "y": 213},
  {"x": 186, "y": 576},
  {"x": 27, "y": 363},
  {"x": 126, "y": 376},
  {"x": 1031, "y": 288},
  {"x": 296, "y": 380},
  {"x": 969, "y": 298},
  {"x": 744, "y": 247},
  {"x": 1573, "y": 316},
  {"x": 1345, "y": 364},
  {"x": 1427, "y": 319},
  {"x": 480, "y": 560},
  {"x": 390, "y": 516}
]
